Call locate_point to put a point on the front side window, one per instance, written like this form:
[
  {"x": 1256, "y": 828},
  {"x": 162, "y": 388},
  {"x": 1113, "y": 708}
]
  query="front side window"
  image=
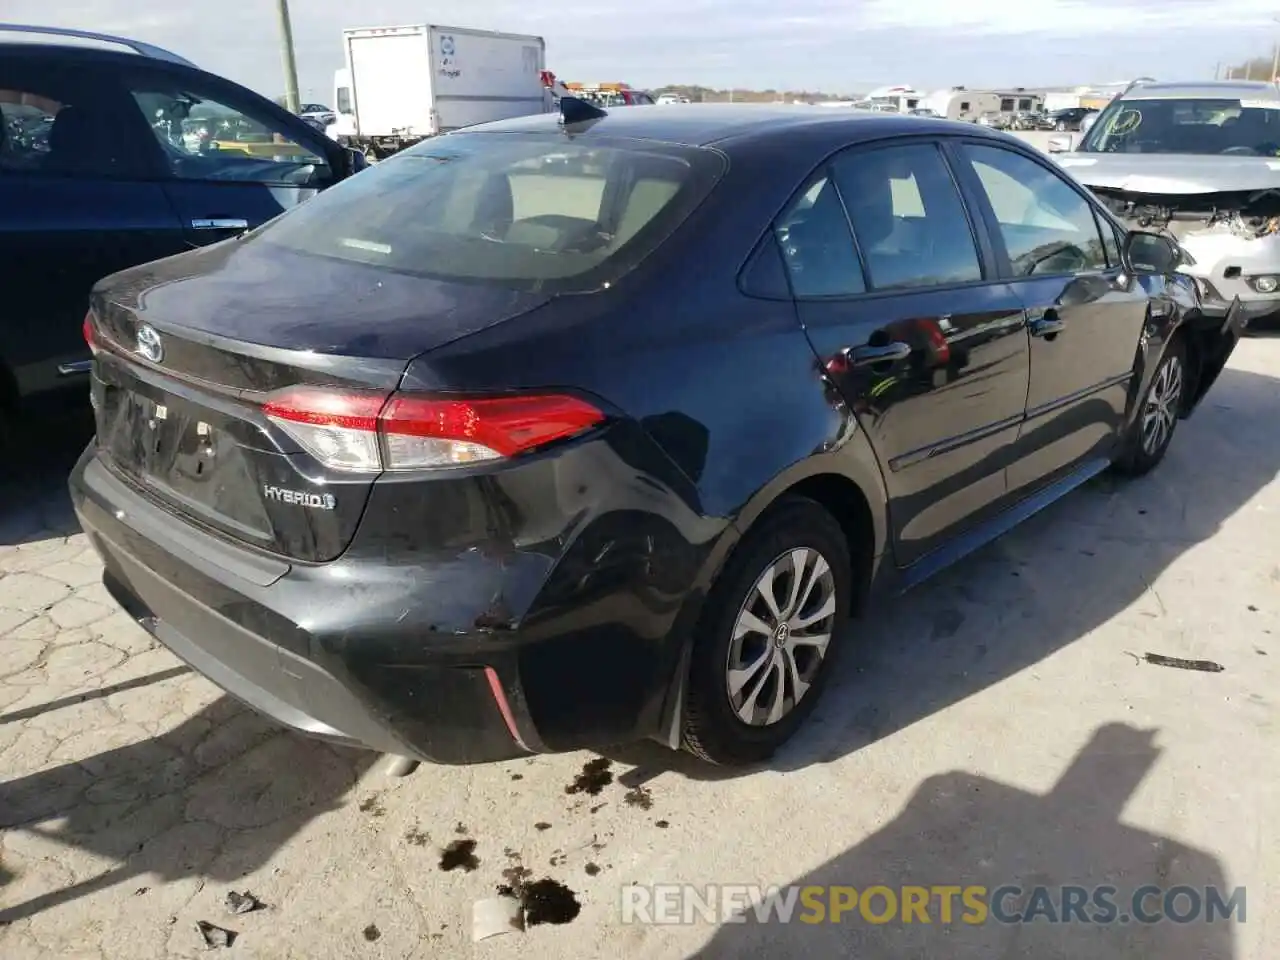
[
  {"x": 344, "y": 100},
  {"x": 1047, "y": 226},
  {"x": 908, "y": 218},
  {"x": 1207, "y": 127},
  {"x": 525, "y": 211},
  {"x": 1111, "y": 240},
  {"x": 202, "y": 139}
]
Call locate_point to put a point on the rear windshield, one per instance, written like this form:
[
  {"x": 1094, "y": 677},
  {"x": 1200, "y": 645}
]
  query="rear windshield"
[
  {"x": 1245, "y": 128},
  {"x": 531, "y": 212}
]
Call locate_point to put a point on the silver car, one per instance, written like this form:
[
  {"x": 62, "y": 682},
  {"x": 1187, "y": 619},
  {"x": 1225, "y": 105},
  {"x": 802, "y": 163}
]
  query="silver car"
[{"x": 1200, "y": 161}]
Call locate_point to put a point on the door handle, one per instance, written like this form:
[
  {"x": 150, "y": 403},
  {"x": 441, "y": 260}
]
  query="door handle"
[
  {"x": 220, "y": 223},
  {"x": 1045, "y": 324},
  {"x": 868, "y": 356}
]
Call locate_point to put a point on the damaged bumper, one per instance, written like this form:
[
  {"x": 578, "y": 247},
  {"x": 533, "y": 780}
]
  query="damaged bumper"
[
  {"x": 1230, "y": 240},
  {"x": 247, "y": 623},
  {"x": 1226, "y": 265}
]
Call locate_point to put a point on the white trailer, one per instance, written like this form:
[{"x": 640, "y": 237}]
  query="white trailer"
[
  {"x": 958, "y": 103},
  {"x": 404, "y": 84}
]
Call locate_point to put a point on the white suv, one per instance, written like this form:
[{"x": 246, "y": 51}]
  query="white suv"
[{"x": 1200, "y": 161}]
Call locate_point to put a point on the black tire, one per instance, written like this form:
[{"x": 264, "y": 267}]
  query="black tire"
[
  {"x": 712, "y": 729},
  {"x": 1138, "y": 454}
]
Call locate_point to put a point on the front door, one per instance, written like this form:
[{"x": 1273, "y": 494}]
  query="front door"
[
  {"x": 233, "y": 163},
  {"x": 77, "y": 202},
  {"x": 928, "y": 351},
  {"x": 1084, "y": 313}
]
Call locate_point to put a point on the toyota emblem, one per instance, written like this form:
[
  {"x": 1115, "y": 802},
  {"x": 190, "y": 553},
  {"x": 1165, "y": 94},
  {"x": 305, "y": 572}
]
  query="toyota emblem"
[{"x": 149, "y": 345}]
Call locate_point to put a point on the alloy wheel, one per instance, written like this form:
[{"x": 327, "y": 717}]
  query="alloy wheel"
[
  {"x": 780, "y": 637},
  {"x": 1160, "y": 411}
]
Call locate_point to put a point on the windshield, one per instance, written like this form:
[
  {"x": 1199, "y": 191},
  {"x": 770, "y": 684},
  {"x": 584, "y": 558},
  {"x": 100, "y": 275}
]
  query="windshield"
[
  {"x": 525, "y": 211},
  {"x": 1248, "y": 128}
]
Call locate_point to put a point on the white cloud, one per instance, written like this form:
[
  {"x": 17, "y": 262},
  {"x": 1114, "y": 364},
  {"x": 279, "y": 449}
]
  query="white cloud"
[{"x": 1064, "y": 17}]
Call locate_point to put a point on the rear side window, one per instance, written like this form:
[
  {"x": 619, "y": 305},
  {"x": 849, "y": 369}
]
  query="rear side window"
[
  {"x": 63, "y": 123},
  {"x": 908, "y": 217},
  {"x": 817, "y": 246},
  {"x": 524, "y": 211}
]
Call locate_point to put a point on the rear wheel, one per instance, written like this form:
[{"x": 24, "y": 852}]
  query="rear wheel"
[
  {"x": 767, "y": 639},
  {"x": 1152, "y": 430}
]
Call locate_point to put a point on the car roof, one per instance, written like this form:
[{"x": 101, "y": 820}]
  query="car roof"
[
  {"x": 1206, "y": 90},
  {"x": 704, "y": 124},
  {"x": 79, "y": 52}
]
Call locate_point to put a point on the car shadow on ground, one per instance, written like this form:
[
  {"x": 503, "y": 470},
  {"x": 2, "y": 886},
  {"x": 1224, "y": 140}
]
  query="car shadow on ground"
[
  {"x": 1062, "y": 574},
  {"x": 36, "y": 457},
  {"x": 212, "y": 799},
  {"x": 961, "y": 830}
]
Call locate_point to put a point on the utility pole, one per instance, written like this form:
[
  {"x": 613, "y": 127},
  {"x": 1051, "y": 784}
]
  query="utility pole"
[
  {"x": 286, "y": 53},
  {"x": 1275, "y": 62}
]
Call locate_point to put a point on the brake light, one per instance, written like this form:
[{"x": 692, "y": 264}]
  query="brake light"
[
  {"x": 90, "y": 339},
  {"x": 370, "y": 433}
]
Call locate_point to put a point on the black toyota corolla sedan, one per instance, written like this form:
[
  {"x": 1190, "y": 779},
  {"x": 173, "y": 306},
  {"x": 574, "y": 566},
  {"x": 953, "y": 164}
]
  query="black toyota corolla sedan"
[{"x": 547, "y": 435}]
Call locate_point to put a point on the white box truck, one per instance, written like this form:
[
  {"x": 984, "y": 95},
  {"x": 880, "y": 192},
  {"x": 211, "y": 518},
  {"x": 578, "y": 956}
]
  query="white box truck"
[{"x": 403, "y": 84}]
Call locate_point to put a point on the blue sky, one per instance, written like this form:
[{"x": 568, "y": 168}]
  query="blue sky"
[{"x": 834, "y": 45}]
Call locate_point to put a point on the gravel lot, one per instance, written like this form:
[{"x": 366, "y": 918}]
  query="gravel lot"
[{"x": 995, "y": 727}]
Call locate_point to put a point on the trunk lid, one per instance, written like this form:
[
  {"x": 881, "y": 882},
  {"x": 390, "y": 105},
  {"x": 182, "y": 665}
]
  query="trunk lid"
[{"x": 190, "y": 348}]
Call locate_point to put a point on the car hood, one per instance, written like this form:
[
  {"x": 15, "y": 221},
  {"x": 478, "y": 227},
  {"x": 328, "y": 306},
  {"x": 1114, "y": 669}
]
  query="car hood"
[
  {"x": 1164, "y": 173},
  {"x": 260, "y": 293}
]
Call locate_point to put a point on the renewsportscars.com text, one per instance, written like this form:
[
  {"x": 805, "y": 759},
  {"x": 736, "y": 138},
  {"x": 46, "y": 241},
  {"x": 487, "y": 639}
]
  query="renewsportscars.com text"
[{"x": 941, "y": 904}]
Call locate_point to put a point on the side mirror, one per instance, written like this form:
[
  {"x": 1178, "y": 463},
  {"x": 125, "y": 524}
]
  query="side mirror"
[
  {"x": 1059, "y": 144},
  {"x": 1152, "y": 253}
]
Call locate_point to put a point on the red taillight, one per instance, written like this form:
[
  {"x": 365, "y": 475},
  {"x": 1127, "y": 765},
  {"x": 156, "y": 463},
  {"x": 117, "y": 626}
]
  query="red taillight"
[
  {"x": 937, "y": 339},
  {"x": 369, "y": 433},
  {"x": 90, "y": 339}
]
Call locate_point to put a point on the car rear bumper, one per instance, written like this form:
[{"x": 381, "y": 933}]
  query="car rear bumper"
[
  {"x": 225, "y": 621},
  {"x": 425, "y": 661}
]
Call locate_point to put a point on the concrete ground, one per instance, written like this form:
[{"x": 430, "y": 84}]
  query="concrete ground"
[{"x": 994, "y": 727}]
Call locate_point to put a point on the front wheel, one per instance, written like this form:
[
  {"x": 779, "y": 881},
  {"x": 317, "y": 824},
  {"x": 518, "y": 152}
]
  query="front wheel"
[
  {"x": 767, "y": 639},
  {"x": 1148, "y": 439}
]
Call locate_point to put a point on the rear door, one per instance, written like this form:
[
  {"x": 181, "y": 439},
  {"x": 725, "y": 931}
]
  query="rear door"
[
  {"x": 925, "y": 344},
  {"x": 1085, "y": 314},
  {"x": 78, "y": 201},
  {"x": 233, "y": 161}
]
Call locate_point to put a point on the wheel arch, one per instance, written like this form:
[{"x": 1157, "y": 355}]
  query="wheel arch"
[{"x": 848, "y": 495}]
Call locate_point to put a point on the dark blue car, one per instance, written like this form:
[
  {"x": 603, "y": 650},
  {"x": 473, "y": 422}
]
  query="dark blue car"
[
  {"x": 112, "y": 158},
  {"x": 560, "y": 432}
]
